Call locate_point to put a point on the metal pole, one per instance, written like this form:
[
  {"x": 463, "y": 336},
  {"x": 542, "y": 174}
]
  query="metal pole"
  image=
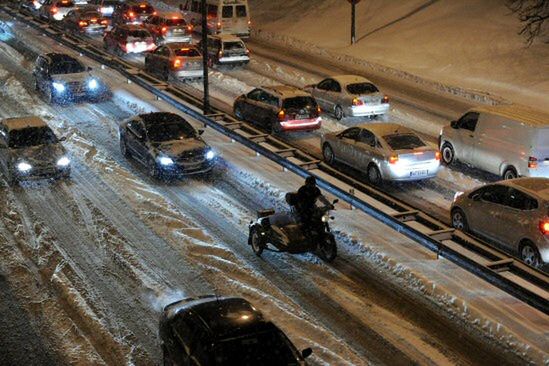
[
  {"x": 206, "y": 103},
  {"x": 353, "y": 36}
]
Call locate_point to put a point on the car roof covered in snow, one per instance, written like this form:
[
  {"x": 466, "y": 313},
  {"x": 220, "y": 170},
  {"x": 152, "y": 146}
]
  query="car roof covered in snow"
[
  {"x": 536, "y": 186},
  {"x": 518, "y": 113},
  {"x": 350, "y": 79},
  {"x": 286, "y": 91},
  {"x": 155, "y": 118},
  {"x": 225, "y": 37},
  {"x": 170, "y": 15},
  {"x": 383, "y": 129},
  {"x": 179, "y": 45},
  {"x": 19, "y": 123}
]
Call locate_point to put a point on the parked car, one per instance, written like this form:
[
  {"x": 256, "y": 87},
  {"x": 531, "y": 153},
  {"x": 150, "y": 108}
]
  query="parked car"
[
  {"x": 131, "y": 12},
  {"x": 30, "y": 150},
  {"x": 226, "y": 49},
  {"x": 223, "y": 331},
  {"x": 166, "y": 144},
  {"x": 106, "y": 7},
  {"x": 125, "y": 39},
  {"x": 175, "y": 60},
  {"x": 61, "y": 77},
  {"x": 508, "y": 140},
  {"x": 85, "y": 21},
  {"x": 55, "y": 10},
  {"x": 384, "y": 151},
  {"x": 279, "y": 109},
  {"x": 512, "y": 213},
  {"x": 168, "y": 28},
  {"x": 349, "y": 96}
]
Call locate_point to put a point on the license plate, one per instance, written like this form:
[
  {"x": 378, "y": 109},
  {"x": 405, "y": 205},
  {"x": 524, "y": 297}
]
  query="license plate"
[
  {"x": 178, "y": 30},
  {"x": 416, "y": 173},
  {"x": 301, "y": 116}
]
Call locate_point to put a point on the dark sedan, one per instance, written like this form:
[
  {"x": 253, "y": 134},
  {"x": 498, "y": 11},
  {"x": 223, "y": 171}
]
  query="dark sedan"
[{"x": 166, "y": 144}]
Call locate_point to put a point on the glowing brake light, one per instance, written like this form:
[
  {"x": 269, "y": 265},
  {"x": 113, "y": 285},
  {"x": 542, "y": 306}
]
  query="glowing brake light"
[
  {"x": 393, "y": 159},
  {"x": 544, "y": 226},
  {"x": 105, "y": 22},
  {"x": 190, "y": 28},
  {"x": 164, "y": 29},
  {"x": 385, "y": 99},
  {"x": 155, "y": 12},
  {"x": 282, "y": 115},
  {"x": 318, "y": 110},
  {"x": 177, "y": 63},
  {"x": 218, "y": 24},
  {"x": 94, "y": 20},
  {"x": 220, "y": 54},
  {"x": 142, "y": 6},
  {"x": 437, "y": 155},
  {"x": 82, "y": 23},
  {"x": 532, "y": 162},
  {"x": 65, "y": 2},
  {"x": 54, "y": 10},
  {"x": 131, "y": 14},
  {"x": 357, "y": 101},
  {"x": 249, "y": 22}
]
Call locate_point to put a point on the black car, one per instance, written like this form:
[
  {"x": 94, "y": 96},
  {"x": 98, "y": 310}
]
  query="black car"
[
  {"x": 61, "y": 77},
  {"x": 279, "y": 108},
  {"x": 132, "y": 12},
  {"x": 166, "y": 144},
  {"x": 223, "y": 331}
]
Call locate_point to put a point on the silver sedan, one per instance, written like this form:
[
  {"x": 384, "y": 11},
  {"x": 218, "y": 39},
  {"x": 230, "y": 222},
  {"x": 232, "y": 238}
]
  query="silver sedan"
[
  {"x": 175, "y": 60},
  {"x": 384, "y": 151},
  {"x": 349, "y": 96}
]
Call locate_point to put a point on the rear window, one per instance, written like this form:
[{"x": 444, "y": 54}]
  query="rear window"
[
  {"x": 212, "y": 11},
  {"x": 299, "y": 103},
  {"x": 403, "y": 141},
  {"x": 67, "y": 67},
  {"x": 241, "y": 11},
  {"x": 65, "y": 4},
  {"x": 233, "y": 46},
  {"x": 143, "y": 9},
  {"x": 227, "y": 11},
  {"x": 187, "y": 52},
  {"x": 362, "y": 88},
  {"x": 31, "y": 137},
  {"x": 176, "y": 22}
]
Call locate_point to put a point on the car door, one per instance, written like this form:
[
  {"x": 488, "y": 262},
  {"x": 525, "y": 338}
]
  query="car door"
[
  {"x": 267, "y": 109},
  {"x": 159, "y": 60},
  {"x": 464, "y": 143},
  {"x": 136, "y": 140},
  {"x": 319, "y": 92},
  {"x": 485, "y": 210},
  {"x": 248, "y": 107},
  {"x": 343, "y": 145},
  {"x": 333, "y": 95},
  {"x": 516, "y": 218},
  {"x": 364, "y": 150}
]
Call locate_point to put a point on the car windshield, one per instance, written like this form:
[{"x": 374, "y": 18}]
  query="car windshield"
[
  {"x": 67, "y": 67},
  {"x": 176, "y": 22},
  {"x": 187, "y": 52},
  {"x": 403, "y": 141},
  {"x": 362, "y": 88},
  {"x": 230, "y": 46},
  {"x": 267, "y": 348},
  {"x": 32, "y": 136},
  {"x": 138, "y": 33},
  {"x": 170, "y": 131},
  {"x": 299, "y": 103}
]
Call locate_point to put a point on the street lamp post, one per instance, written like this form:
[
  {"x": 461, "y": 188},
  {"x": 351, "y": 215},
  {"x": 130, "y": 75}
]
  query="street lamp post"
[
  {"x": 353, "y": 15},
  {"x": 206, "y": 102}
]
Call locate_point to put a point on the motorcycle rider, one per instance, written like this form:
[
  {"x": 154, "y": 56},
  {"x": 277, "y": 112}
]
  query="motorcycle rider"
[{"x": 306, "y": 200}]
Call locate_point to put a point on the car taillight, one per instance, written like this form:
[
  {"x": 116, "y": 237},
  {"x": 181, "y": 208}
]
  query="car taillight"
[
  {"x": 544, "y": 226},
  {"x": 247, "y": 51},
  {"x": 219, "y": 25},
  {"x": 532, "y": 162},
  {"x": 105, "y": 22},
  {"x": 249, "y": 22},
  {"x": 131, "y": 14},
  {"x": 94, "y": 20},
  {"x": 357, "y": 101},
  {"x": 281, "y": 115},
  {"x": 437, "y": 155},
  {"x": 82, "y": 23},
  {"x": 54, "y": 10},
  {"x": 190, "y": 28},
  {"x": 155, "y": 12},
  {"x": 220, "y": 54},
  {"x": 318, "y": 110},
  {"x": 393, "y": 159},
  {"x": 385, "y": 99},
  {"x": 177, "y": 63},
  {"x": 164, "y": 29}
]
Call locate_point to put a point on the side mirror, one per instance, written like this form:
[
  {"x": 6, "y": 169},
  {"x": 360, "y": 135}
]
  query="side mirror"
[
  {"x": 200, "y": 132},
  {"x": 306, "y": 352},
  {"x": 335, "y": 201},
  {"x": 454, "y": 125},
  {"x": 476, "y": 197},
  {"x": 89, "y": 68},
  {"x": 63, "y": 138}
]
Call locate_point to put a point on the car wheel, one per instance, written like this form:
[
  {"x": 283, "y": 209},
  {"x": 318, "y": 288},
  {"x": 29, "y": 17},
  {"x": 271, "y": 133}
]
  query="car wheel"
[
  {"x": 459, "y": 221},
  {"x": 530, "y": 254},
  {"x": 328, "y": 153},
  {"x": 153, "y": 168},
  {"x": 238, "y": 112},
  {"x": 275, "y": 128},
  {"x": 338, "y": 113},
  {"x": 510, "y": 173},
  {"x": 256, "y": 242},
  {"x": 448, "y": 154},
  {"x": 124, "y": 149},
  {"x": 374, "y": 175}
]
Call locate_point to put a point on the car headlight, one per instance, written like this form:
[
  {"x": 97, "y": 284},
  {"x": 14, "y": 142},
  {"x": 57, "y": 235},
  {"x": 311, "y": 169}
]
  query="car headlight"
[
  {"x": 210, "y": 155},
  {"x": 164, "y": 160},
  {"x": 93, "y": 84},
  {"x": 325, "y": 218},
  {"x": 59, "y": 87},
  {"x": 24, "y": 167},
  {"x": 63, "y": 161}
]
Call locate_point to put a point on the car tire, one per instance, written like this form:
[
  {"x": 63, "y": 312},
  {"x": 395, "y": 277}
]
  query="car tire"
[
  {"x": 338, "y": 113},
  {"x": 529, "y": 254},
  {"x": 152, "y": 168},
  {"x": 459, "y": 220},
  {"x": 448, "y": 154},
  {"x": 238, "y": 113},
  {"x": 256, "y": 242},
  {"x": 124, "y": 149},
  {"x": 374, "y": 175},
  {"x": 328, "y": 154},
  {"x": 510, "y": 173}
]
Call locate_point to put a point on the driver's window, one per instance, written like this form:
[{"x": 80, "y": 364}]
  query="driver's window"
[
  {"x": 366, "y": 137},
  {"x": 494, "y": 194},
  {"x": 254, "y": 94},
  {"x": 324, "y": 85},
  {"x": 335, "y": 87},
  {"x": 351, "y": 133},
  {"x": 468, "y": 121},
  {"x": 137, "y": 129}
]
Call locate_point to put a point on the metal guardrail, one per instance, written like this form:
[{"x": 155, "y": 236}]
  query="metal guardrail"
[{"x": 530, "y": 286}]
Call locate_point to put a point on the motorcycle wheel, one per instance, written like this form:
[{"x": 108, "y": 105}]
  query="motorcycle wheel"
[
  {"x": 256, "y": 242},
  {"x": 327, "y": 250}
]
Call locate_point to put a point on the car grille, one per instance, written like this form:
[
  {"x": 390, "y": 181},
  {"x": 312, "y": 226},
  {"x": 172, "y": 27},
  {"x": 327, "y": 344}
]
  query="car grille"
[
  {"x": 75, "y": 87},
  {"x": 192, "y": 156}
]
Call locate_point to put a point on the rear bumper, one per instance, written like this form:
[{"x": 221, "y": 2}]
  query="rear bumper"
[
  {"x": 367, "y": 110},
  {"x": 301, "y": 124},
  {"x": 539, "y": 172},
  {"x": 188, "y": 74},
  {"x": 240, "y": 60},
  {"x": 181, "y": 169},
  {"x": 174, "y": 39},
  {"x": 400, "y": 172}
]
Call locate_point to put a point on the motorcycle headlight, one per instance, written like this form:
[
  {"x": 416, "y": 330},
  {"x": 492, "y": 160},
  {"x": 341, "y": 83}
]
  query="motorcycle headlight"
[
  {"x": 24, "y": 166},
  {"x": 63, "y": 161},
  {"x": 59, "y": 87},
  {"x": 93, "y": 84},
  {"x": 210, "y": 155},
  {"x": 325, "y": 218},
  {"x": 164, "y": 160}
]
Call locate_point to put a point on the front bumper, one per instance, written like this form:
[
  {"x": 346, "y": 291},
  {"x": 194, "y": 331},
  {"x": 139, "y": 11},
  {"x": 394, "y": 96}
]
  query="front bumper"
[
  {"x": 74, "y": 94},
  {"x": 367, "y": 110},
  {"x": 42, "y": 172},
  {"x": 404, "y": 172},
  {"x": 187, "y": 168},
  {"x": 308, "y": 124}
]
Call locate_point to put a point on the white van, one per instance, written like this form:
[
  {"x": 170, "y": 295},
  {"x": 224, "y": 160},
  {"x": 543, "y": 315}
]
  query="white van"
[
  {"x": 224, "y": 16},
  {"x": 506, "y": 140}
]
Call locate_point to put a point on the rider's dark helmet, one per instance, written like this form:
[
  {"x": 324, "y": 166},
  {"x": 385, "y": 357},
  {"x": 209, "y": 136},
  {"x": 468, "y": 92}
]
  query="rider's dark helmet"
[{"x": 310, "y": 181}]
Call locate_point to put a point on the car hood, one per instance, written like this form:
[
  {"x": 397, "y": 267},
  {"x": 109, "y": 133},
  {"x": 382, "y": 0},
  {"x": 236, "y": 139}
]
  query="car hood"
[
  {"x": 80, "y": 77},
  {"x": 177, "y": 148},
  {"x": 41, "y": 154}
]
